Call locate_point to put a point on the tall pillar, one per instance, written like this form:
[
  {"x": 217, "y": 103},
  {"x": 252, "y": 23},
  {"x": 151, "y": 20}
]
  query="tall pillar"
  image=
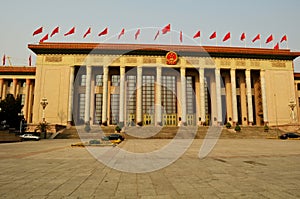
[
  {"x": 87, "y": 94},
  {"x": 218, "y": 95},
  {"x": 228, "y": 97},
  {"x": 202, "y": 95},
  {"x": 1, "y": 87},
  {"x": 249, "y": 96},
  {"x": 243, "y": 95},
  {"x": 183, "y": 95},
  {"x": 4, "y": 90},
  {"x": 30, "y": 101},
  {"x": 263, "y": 94},
  {"x": 104, "y": 96},
  {"x": 26, "y": 104},
  {"x": 233, "y": 96},
  {"x": 15, "y": 82},
  {"x": 71, "y": 95},
  {"x": 158, "y": 96},
  {"x": 139, "y": 82},
  {"x": 122, "y": 96}
]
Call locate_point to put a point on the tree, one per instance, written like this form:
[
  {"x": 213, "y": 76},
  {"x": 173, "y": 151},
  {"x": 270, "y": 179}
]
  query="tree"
[{"x": 10, "y": 109}]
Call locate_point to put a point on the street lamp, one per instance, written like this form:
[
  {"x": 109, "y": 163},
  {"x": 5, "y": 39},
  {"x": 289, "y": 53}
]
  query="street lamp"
[
  {"x": 21, "y": 120},
  {"x": 292, "y": 105},
  {"x": 44, "y": 103}
]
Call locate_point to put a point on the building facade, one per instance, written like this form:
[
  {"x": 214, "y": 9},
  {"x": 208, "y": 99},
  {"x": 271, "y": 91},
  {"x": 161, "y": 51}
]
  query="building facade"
[{"x": 168, "y": 85}]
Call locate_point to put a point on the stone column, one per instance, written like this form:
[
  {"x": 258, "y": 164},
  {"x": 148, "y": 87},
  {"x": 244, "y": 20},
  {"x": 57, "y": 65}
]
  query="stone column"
[
  {"x": 122, "y": 96},
  {"x": 202, "y": 95},
  {"x": 183, "y": 95},
  {"x": 263, "y": 94},
  {"x": 104, "y": 95},
  {"x": 30, "y": 101},
  {"x": 249, "y": 96},
  {"x": 15, "y": 82},
  {"x": 88, "y": 95},
  {"x": 1, "y": 87},
  {"x": 233, "y": 97},
  {"x": 71, "y": 95},
  {"x": 218, "y": 95},
  {"x": 26, "y": 104},
  {"x": 139, "y": 84},
  {"x": 158, "y": 96}
]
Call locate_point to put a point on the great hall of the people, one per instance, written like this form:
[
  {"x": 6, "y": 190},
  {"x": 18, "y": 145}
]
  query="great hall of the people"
[{"x": 148, "y": 84}]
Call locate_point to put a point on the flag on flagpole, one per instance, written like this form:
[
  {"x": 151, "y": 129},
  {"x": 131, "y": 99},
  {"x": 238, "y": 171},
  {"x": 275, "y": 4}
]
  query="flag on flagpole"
[
  {"x": 44, "y": 38},
  {"x": 104, "y": 32},
  {"x": 87, "y": 32},
  {"x": 226, "y": 37},
  {"x": 180, "y": 37},
  {"x": 284, "y": 38},
  {"x": 166, "y": 29},
  {"x": 72, "y": 31},
  {"x": 269, "y": 39},
  {"x": 138, "y": 32},
  {"x": 256, "y": 38},
  {"x": 3, "y": 60},
  {"x": 37, "y": 31},
  {"x": 243, "y": 36},
  {"x": 156, "y": 35},
  {"x": 276, "y": 47},
  {"x": 121, "y": 33},
  {"x": 197, "y": 35},
  {"x": 55, "y": 31},
  {"x": 29, "y": 60},
  {"x": 213, "y": 35}
]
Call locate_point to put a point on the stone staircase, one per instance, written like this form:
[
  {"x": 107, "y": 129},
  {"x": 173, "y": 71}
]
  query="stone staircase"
[{"x": 153, "y": 132}]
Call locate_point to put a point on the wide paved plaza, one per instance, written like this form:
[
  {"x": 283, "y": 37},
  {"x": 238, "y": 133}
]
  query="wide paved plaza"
[{"x": 235, "y": 168}]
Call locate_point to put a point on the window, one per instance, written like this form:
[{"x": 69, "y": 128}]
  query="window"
[
  {"x": 114, "y": 108},
  {"x": 23, "y": 84},
  {"x": 22, "y": 96},
  {"x": 131, "y": 94},
  {"x": 237, "y": 80},
  {"x": 115, "y": 80},
  {"x": 83, "y": 80},
  {"x": 98, "y": 108},
  {"x": 190, "y": 96},
  {"x": 168, "y": 96},
  {"x": 81, "y": 106},
  {"x": 99, "y": 80},
  {"x": 148, "y": 94}
]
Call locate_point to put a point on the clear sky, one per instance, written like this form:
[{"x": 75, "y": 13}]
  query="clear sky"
[{"x": 19, "y": 18}]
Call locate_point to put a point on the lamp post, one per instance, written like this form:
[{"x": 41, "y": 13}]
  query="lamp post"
[
  {"x": 21, "y": 121},
  {"x": 292, "y": 105},
  {"x": 44, "y": 103}
]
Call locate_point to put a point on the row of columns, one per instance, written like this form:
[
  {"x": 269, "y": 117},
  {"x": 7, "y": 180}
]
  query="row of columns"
[
  {"x": 28, "y": 93},
  {"x": 158, "y": 113}
]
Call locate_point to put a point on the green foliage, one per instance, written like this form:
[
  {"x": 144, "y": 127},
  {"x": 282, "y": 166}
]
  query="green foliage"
[
  {"x": 94, "y": 141},
  {"x": 228, "y": 125},
  {"x": 237, "y": 128},
  {"x": 10, "y": 109},
  {"x": 266, "y": 128},
  {"x": 42, "y": 127},
  {"x": 118, "y": 129}
]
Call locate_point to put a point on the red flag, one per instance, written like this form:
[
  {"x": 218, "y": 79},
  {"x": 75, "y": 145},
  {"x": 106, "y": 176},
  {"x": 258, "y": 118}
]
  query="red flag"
[
  {"x": 104, "y": 32},
  {"x": 213, "y": 35},
  {"x": 276, "y": 47},
  {"x": 72, "y": 31},
  {"x": 156, "y": 35},
  {"x": 180, "y": 37},
  {"x": 87, "y": 32},
  {"x": 121, "y": 33},
  {"x": 166, "y": 29},
  {"x": 284, "y": 38},
  {"x": 55, "y": 31},
  {"x": 243, "y": 36},
  {"x": 226, "y": 37},
  {"x": 29, "y": 60},
  {"x": 197, "y": 35},
  {"x": 38, "y": 31},
  {"x": 269, "y": 39},
  {"x": 138, "y": 32},
  {"x": 256, "y": 38},
  {"x": 44, "y": 38},
  {"x": 3, "y": 60}
]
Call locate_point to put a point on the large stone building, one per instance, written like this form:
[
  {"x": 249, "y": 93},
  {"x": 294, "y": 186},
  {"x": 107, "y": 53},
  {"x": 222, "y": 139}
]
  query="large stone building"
[{"x": 156, "y": 84}]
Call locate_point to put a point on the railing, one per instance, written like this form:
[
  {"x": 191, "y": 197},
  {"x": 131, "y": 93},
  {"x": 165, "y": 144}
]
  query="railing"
[{"x": 148, "y": 119}]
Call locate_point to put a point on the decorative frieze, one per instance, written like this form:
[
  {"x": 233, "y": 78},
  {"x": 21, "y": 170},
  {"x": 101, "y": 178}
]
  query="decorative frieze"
[
  {"x": 209, "y": 62},
  {"x": 278, "y": 64},
  {"x": 255, "y": 63},
  {"x": 240, "y": 63},
  {"x": 149, "y": 60},
  {"x": 131, "y": 60},
  {"x": 225, "y": 62},
  {"x": 53, "y": 59}
]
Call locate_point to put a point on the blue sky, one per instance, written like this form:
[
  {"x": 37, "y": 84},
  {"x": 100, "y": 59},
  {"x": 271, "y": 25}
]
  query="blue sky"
[{"x": 19, "y": 19}]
